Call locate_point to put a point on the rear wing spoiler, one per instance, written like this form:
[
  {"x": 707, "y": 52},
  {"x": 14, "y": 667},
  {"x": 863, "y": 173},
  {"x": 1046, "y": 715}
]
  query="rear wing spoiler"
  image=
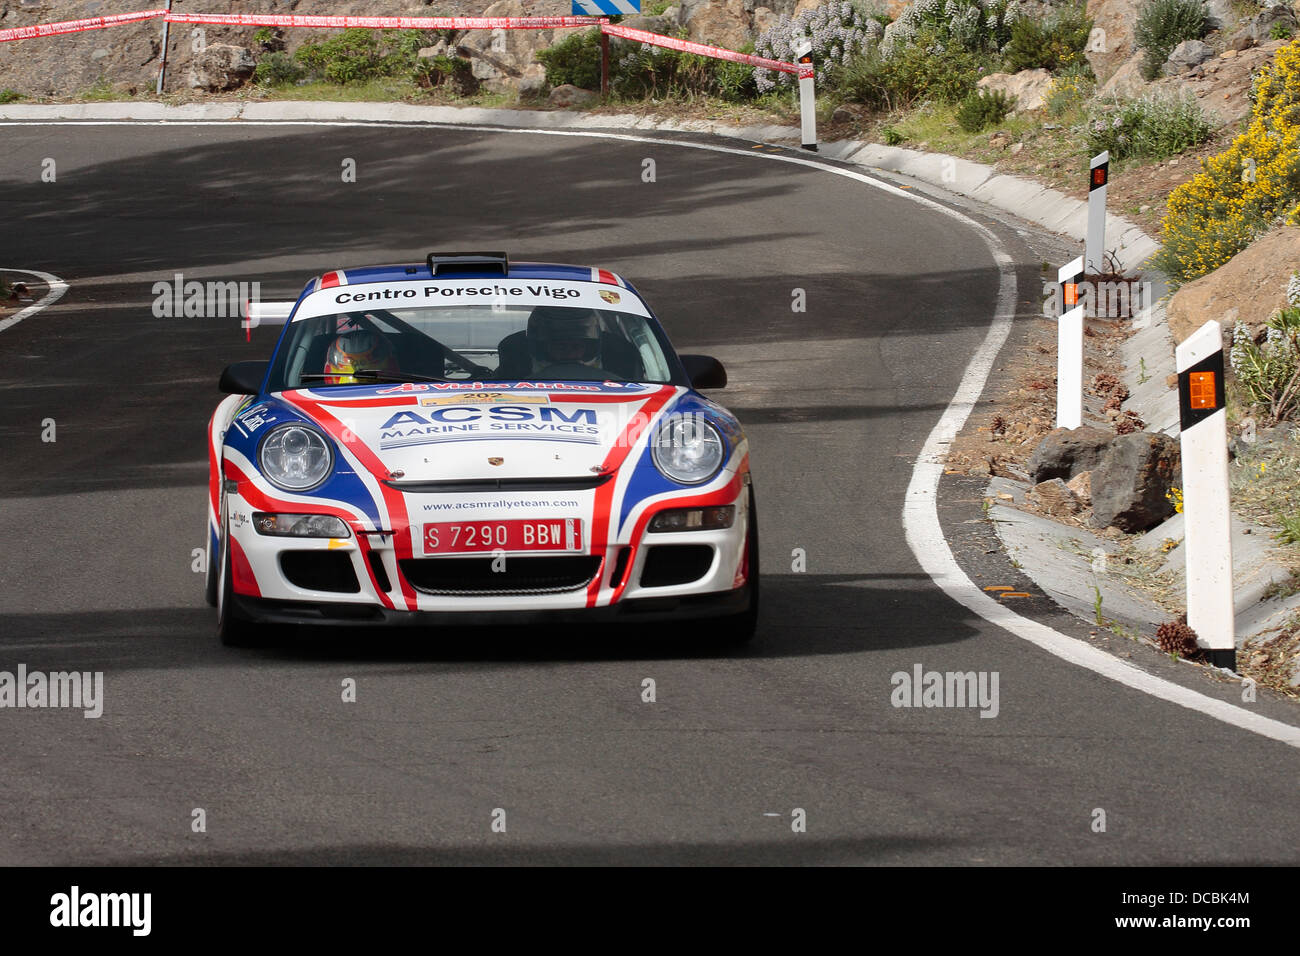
[{"x": 264, "y": 313}]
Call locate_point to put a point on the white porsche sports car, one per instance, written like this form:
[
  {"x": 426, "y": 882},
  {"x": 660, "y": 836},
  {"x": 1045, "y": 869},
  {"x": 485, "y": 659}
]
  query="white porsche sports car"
[{"x": 470, "y": 440}]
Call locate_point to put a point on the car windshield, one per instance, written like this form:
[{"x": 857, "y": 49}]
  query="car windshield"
[{"x": 479, "y": 342}]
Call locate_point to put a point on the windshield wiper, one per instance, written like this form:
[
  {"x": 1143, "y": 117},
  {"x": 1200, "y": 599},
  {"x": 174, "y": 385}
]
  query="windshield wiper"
[{"x": 373, "y": 373}]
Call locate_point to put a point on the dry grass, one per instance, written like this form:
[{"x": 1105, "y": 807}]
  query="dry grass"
[{"x": 1271, "y": 659}]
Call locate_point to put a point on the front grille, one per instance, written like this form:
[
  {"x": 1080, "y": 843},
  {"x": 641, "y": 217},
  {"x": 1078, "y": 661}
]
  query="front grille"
[
  {"x": 669, "y": 564},
  {"x": 470, "y": 485},
  {"x": 474, "y": 576},
  {"x": 320, "y": 571}
]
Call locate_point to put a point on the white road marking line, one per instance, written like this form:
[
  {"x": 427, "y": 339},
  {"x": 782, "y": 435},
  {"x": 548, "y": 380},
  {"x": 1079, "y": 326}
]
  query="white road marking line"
[
  {"x": 56, "y": 290},
  {"x": 920, "y": 508}
]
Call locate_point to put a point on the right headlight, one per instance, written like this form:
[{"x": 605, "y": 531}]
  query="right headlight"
[
  {"x": 295, "y": 457},
  {"x": 688, "y": 449}
]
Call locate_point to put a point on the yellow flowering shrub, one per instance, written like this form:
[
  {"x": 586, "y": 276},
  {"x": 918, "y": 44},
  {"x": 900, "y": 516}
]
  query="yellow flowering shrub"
[{"x": 1243, "y": 191}]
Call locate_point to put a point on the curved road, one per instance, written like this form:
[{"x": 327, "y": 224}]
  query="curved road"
[{"x": 550, "y": 727}]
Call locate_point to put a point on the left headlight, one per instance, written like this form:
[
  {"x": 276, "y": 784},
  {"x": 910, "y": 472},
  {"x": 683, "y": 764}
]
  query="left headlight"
[
  {"x": 295, "y": 457},
  {"x": 688, "y": 449}
]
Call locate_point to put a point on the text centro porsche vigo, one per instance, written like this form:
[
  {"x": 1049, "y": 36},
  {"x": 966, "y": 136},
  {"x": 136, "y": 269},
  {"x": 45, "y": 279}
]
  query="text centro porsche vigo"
[{"x": 469, "y": 441}]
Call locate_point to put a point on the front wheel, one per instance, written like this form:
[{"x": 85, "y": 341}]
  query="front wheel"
[
  {"x": 210, "y": 572},
  {"x": 739, "y": 628},
  {"x": 233, "y": 630}
]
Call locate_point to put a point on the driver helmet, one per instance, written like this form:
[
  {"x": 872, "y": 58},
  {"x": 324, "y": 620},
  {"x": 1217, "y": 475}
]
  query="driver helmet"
[
  {"x": 559, "y": 335},
  {"x": 357, "y": 349}
]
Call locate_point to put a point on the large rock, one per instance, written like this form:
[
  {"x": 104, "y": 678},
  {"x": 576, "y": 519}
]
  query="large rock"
[
  {"x": 1029, "y": 87},
  {"x": 533, "y": 81},
  {"x": 567, "y": 94},
  {"x": 724, "y": 23},
  {"x": 1130, "y": 482},
  {"x": 1246, "y": 288},
  {"x": 1222, "y": 86},
  {"x": 1260, "y": 26},
  {"x": 221, "y": 66},
  {"x": 659, "y": 24},
  {"x": 1055, "y": 498},
  {"x": 1111, "y": 42},
  {"x": 764, "y": 19},
  {"x": 1066, "y": 452},
  {"x": 1219, "y": 14},
  {"x": 1125, "y": 83},
  {"x": 433, "y": 52},
  {"x": 1186, "y": 55},
  {"x": 499, "y": 59}
]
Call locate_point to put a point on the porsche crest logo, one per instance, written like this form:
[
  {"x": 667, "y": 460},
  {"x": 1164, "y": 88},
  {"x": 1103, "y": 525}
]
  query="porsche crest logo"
[
  {"x": 496, "y": 461},
  {"x": 612, "y": 298}
]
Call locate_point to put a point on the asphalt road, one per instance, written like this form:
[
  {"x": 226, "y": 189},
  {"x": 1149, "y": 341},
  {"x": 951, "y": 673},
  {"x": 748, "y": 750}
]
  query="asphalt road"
[{"x": 99, "y": 526}]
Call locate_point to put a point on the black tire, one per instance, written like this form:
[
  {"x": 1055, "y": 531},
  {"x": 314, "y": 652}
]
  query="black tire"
[
  {"x": 210, "y": 578},
  {"x": 233, "y": 630},
  {"x": 738, "y": 629}
]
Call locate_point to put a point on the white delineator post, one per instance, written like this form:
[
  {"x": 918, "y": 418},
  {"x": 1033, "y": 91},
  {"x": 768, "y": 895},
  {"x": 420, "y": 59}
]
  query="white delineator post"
[
  {"x": 1069, "y": 348},
  {"x": 1208, "y": 522},
  {"x": 1094, "y": 250},
  {"x": 807, "y": 95}
]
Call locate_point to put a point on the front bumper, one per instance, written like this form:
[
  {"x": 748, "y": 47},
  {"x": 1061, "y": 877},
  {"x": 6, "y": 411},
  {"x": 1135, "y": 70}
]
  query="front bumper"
[
  {"x": 632, "y": 611},
  {"x": 376, "y": 578}
]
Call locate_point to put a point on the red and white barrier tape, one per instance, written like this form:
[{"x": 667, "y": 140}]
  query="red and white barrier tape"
[
  {"x": 686, "y": 46},
  {"x": 395, "y": 23},
  {"x": 76, "y": 26}
]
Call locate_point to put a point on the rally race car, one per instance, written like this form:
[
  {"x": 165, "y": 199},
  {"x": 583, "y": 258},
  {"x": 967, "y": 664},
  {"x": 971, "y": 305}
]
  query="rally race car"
[{"x": 471, "y": 441}]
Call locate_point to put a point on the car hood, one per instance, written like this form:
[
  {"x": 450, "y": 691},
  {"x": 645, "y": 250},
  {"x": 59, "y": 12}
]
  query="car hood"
[{"x": 440, "y": 433}]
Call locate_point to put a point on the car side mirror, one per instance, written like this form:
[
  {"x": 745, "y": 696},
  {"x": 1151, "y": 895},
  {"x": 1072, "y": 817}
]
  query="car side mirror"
[
  {"x": 704, "y": 371},
  {"x": 243, "y": 378}
]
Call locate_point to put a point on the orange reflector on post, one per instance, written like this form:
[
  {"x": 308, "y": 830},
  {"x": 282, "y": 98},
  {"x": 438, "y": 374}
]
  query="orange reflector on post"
[
  {"x": 1099, "y": 176},
  {"x": 1200, "y": 388},
  {"x": 1071, "y": 293}
]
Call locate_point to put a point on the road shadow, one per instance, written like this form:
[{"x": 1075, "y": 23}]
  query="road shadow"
[{"x": 802, "y": 615}]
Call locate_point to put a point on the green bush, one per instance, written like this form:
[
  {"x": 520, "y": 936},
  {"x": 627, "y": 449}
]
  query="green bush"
[
  {"x": 446, "y": 70},
  {"x": 980, "y": 110},
  {"x": 866, "y": 79},
  {"x": 1162, "y": 25},
  {"x": 920, "y": 75},
  {"x": 1070, "y": 90},
  {"x": 278, "y": 69},
  {"x": 574, "y": 60},
  {"x": 1279, "y": 31},
  {"x": 1156, "y": 126},
  {"x": 10, "y": 96},
  {"x": 655, "y": 72},
  {"x": 1049, "y": 43},
  {"x": 354, "y": 56},
  {"x": 1269, "y": 374},
  {"x": 637, "y": 71},
  {"x": 269, "y": 39},
  {"x": 911, "y": 74},
  {"x": 892, "y": 136}
]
